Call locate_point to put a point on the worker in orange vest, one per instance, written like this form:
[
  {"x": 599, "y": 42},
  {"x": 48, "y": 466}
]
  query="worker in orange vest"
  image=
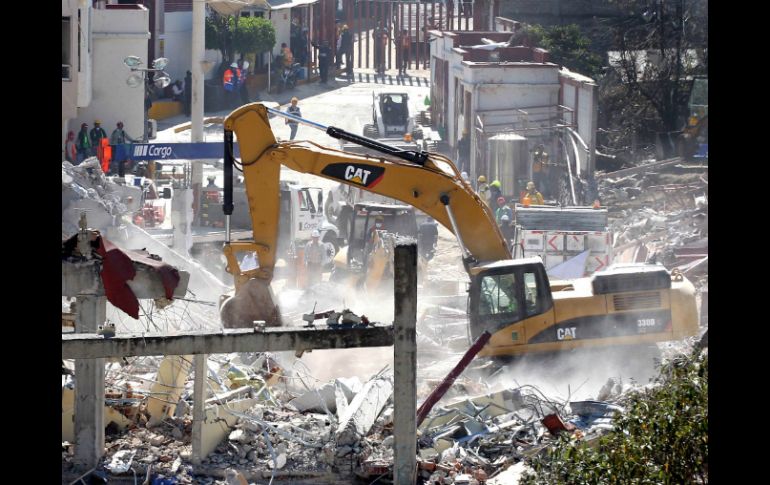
[
  {"x": 104, "y": 154},
  {"x": 532, "y": 196},
  {"x": 230, "y": 83}
]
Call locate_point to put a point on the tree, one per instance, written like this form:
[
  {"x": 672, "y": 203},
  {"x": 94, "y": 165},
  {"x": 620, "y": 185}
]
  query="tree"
[
  {"x": 254, "y": 35},
  {"x": 570, "y": 48},
  {"x": 231, "y": 35},
  {"x": 662, "y": 45},
  {"x": 566, "y": 44}
]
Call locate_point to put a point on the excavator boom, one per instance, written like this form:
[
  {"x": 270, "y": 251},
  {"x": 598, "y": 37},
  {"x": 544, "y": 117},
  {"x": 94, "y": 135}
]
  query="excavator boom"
[{"x": 430, "y": 183}]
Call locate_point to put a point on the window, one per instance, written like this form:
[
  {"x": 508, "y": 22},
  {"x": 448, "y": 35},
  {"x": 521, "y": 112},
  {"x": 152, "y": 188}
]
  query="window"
[
  {"x": 498, "y": 295},
  {"x": 303, "y": 200},
  {"x": 530, "y": 294},
  {"x": 66, "y": 54}
]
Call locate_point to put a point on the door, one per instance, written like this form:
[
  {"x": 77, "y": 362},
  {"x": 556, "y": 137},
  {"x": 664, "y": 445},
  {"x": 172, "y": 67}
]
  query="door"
[{"x": 307, "y": 215}]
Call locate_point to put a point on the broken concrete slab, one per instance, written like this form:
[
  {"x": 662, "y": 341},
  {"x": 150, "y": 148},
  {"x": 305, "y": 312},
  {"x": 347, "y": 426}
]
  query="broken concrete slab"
[
  {"x": 323, "y": 398},
  {"x": 363, "y": 410}
]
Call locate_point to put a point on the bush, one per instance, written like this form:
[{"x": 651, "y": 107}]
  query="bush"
[{"x": 661, "y": 438}]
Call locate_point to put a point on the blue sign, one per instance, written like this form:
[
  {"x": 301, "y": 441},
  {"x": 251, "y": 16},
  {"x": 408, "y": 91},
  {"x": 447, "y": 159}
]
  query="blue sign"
[{"x": 171, "y": 151}]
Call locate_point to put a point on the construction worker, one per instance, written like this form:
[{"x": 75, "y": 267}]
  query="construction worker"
[
  {"x": 539, "y": 167},
  {"x": 532, "y": 196},
  {"x": 314, "y": 256},
  {"x": 120, "y": 137},
  {"x": 506, "y": 228},
  {"x": 230, "y": 83},
  {"x": 483, "y": 189},
  {"x": 84, "y": 143},
  {"x": 97, "y": 133},
  {"x": 70, "y": 150},
  {"x": 495, "y": 190},
  {"x": 502, "y": 210}
]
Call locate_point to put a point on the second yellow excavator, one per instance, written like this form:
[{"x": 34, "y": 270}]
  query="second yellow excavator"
[{"x": 512, "y": 299}]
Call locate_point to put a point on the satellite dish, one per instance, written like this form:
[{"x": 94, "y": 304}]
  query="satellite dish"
[
  {"x": 135, "y": 80},
  {"x": 162, "y": 81},
  {"x": 160, "y": 63},
  {"x": 132, "y": 61}
]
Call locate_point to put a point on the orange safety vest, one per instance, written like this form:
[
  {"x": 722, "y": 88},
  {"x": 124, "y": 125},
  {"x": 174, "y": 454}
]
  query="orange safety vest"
[
  {"x": 104, "y": 154},
  {"x": 228, "y": 79}
]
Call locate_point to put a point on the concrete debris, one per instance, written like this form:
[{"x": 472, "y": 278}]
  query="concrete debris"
[
  {"x": 363, "y": 410},
  {"x": 85, "y": 188},
  {"x": 325, "y": 398}
]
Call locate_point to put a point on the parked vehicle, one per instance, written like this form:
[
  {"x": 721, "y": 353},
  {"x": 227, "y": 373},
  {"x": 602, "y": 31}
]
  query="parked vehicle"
[{"x": 288, "y": 76}]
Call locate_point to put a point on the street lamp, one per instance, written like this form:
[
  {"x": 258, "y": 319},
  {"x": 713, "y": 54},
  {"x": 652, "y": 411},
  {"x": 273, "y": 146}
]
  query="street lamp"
[{"x": 138, "y": 77}]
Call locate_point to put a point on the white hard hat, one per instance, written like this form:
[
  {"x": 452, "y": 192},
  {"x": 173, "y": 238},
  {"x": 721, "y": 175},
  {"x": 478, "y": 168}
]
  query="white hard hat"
[
  {"x": 315, "y": 234},
  {"x": 234, "y": 64}
]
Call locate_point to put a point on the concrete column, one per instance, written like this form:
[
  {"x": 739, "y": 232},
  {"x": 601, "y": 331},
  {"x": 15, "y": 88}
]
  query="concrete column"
[
  {"x": 199, "y": 409},
  {"x": 405, "y": 364},
  {"x": 89, "y": 386},
  {"x": 196, "y": 107},
  {"x": 181, "y": 219}
]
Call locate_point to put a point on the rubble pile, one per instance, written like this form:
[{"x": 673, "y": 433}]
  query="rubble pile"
[
  {"x": 340, "y": 429},
  {"x": 660, "y": 217},
  {"x": 86, "y": 188}
]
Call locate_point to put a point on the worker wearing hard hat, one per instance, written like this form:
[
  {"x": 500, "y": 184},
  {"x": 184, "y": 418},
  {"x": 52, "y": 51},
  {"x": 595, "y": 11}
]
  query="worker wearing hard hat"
[
  {"x": 314, "y": 257},
  {"x": 540, "y": 167},
  {"x": 503, "y": 210},
  {"x": 230, "y": 83},
  {"x": 495, "y": 190},
  {"x": 532, "y": 196},
  {"x": 97, "y": 133},
  {"x": 483, "y": 189}
]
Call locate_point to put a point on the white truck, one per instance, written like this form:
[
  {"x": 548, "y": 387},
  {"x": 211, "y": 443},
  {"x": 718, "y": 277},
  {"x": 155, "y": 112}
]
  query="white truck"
[
  {"x": 559, "y": 234},
  {"x": 302, "y": 212}
]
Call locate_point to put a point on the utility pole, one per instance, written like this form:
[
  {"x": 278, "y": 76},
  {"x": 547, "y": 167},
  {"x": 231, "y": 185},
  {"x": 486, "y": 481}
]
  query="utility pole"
[{"x": 198, "y": 39}]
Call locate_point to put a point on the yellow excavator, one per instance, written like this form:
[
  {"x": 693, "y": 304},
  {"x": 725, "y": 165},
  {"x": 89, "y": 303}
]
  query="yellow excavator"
[{"x": 511, "y": 298}]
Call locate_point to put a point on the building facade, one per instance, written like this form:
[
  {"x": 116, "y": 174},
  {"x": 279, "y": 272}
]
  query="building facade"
[
  {"x": 94, "y": 43},
  {"x": 507, "y": 101}
]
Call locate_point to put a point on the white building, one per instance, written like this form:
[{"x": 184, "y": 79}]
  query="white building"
[
  {"x": 94, "y": 44},
  {"x": 509, "y": 100}
]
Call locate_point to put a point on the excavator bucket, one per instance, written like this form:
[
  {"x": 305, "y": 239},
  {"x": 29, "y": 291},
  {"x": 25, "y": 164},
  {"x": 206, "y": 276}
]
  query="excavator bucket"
[{"x": 254, "y": 301}]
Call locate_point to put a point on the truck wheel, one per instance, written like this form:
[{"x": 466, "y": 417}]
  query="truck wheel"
[{"x": 371, "y": 131}]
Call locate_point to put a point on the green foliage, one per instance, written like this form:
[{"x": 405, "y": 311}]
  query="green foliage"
[
  {"x": 245, "y": 35},
  {"x": 661, "y": 438},
  {"x": 570, "y": 48},
  {"x": 566, "y": 44},
  {"x": 253, "y": 35}
]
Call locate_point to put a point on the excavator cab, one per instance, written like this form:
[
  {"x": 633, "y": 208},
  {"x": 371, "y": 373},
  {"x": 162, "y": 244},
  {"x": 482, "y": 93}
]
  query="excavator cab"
[{"x": 507, "y": 292}]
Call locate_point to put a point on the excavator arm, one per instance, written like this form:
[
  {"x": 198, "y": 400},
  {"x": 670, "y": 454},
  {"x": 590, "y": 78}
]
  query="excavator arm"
[{"x": 431, "y": 184}]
